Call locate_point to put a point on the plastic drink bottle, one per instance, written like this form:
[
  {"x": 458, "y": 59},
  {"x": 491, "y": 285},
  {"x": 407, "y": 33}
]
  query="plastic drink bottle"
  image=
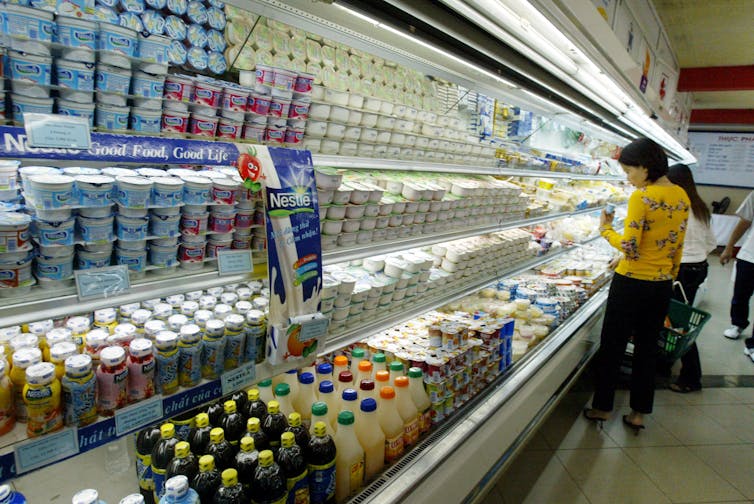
[
  {"x": 321, "y": 455},
  {"x": 349, "y": 401},
  {"x": 371, "y": 438},
  {"x": 215, "y": 413},
  {"x": 349, "y": 462},
  {"x": 339, "y": 364},
  {"x": 231, "y": 491},
  {"x": 391, "y": 424},
  {"x": 324, "y": 372},
  {"x": 78, "y": 326},
  {"x": 293, "y": 464},
  {"x": 213, "y": 349},
  {"x": 421, "y": 398},
  {"x": 254, "y": 431},
  {"x": 364, "y": 371},
  {"x": 265, "y": 391},
  {"x": 189, "y": 356},
  {"x": 184, "y": 463},
  {"x": 183, "y": 424},
  {"x": 256, "y": 336},
  {"x": 345, "y": 380},
  {"x": 96, "y": 340},
  {"x": 320, "y": 413},
  {"x": 233, "y": 424},
  {"x": 220, "y": 449},
  {"x": 247, "y": 460},
  {"x": 22, "y": 359},
  {"x": 79, "y": 391},
  {"x": 235, "y": 339},
  {"x": 306, "y": 397},
  {"x": 141, "y": 368},
  {"x": 274, "y": 425},
  {"x": 112, "y": 380},
  {"x": 240, "y": 397},
  {"x": 407, "y": 410},
  {"x": 381, "y": 379},
  {"x": 10, "y": 496},
  {"x": 198, "y": 437},
  {"x": 59, "y": 353},
  {"x": 145, "y": 443},
  {"x": 133, "y": 499},
  {"x": 177, "y": 491},
  {"x": 367, "y": 389},
  {"x": 255, "y": 407},
  {"x": 283, "y": 397},
  {"x": 327, "y": 395},
  {"x": 42, "y": 396},
  {"x": 269, "y": 484},
  {"x": 396, "y": 370},
  {"x": 7, "y": 411},
  {"x": 87, "y": 496},
  {"x": 295, "y": 426},
  {"x": 208, "y": 480},
  {"x": 357, "y": 355},
  {"x": 166, "y": 378},
  {"x": 162, "y": 454},
  {"x": 379, "y": 362}
]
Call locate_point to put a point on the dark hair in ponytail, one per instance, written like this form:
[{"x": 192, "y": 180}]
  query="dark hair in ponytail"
[
  {"x": 648, "y": 154},
  {"x": 681, "y": 175}
]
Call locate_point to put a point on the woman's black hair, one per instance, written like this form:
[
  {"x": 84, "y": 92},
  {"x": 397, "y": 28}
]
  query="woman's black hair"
[
  {"x": 647, "y": 154},
  {"x": 681, "y": 175}
]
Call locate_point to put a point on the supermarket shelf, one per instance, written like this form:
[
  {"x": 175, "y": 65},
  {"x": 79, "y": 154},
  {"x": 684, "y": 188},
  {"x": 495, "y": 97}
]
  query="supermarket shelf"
[
  {"x": 135, "y": 416},
  {"x": 428, "y": 458},
  {"x": 340, "y": 255},
  {"x": 423, "y": 166},
  {"x": 429, "y": 302}
]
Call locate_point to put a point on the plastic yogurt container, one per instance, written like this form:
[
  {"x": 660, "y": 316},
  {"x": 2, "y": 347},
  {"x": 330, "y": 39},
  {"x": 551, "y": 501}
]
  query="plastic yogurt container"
[
  {"x": 135, "y": 260},
  {"x": 75, "y": 109},
  {"x": 31, "y": 74},
  {"x": 55, "y": 267},
  {"x": 119, "y": 41},
  {"x": 74, "y": 75},
  {"x": 111, "y": 117},
  {"x": 178, "y": 87},
  {"x": 56, "y": 233},
  {"x": 112, "y": 79},
  {"x": 23, "y": 104},
  {"x": 147, "y": 85},
  {"x": 51, "y": 191},
  {"x": 174, "y": 121},
  {"x": 146, "y": 120},
  {"x": 95, "y": 190},
  {"x": 14, "y": 231},
  {"x": 197, "y": 190},
  {"x": 91, "y": 260},
  {"x": 131, "y": 228},
  {"x": 228, "y": 128},
  {"x": 95, "y": 230},
  {"x": 207, "y": 94},
  {"x": 164, "y": 225},
  {"x": 29, "y": 29},
  {"x": 133, "y": 192},
  {"x": 203, "y": 125}
]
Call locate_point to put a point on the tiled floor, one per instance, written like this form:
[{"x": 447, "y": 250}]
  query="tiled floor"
[{"x": 697, "y": 447}]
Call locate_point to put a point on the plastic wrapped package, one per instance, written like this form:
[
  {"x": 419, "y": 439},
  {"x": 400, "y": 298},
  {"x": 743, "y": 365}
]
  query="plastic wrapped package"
[
  {"x": 46, "y": 5},
  {"x": 175, "y": 28},
  {"x": 236, "y": 13},
  {"x": 177, "y": 53},
  {"x": 216, "y": 18},
  {"x": 216, "y": 63},
  {"x": 216, "y": 41},
  {"x": 341, "y": 60},
  {"x": 277, "y": 25},
  {"x": 328, "y": 55},
  {"x": 316, "y": 70},
  {"x": 131, "y": 20},
  {"x": 236, "y": 32},
  {"x": 281, "y": 42},
  {"x": 262, "y": 38},
  {"x": 156, "y": 4},
  {"x": 197, "y": 36},
  {"x": 298, "y": 65},
  {"x": 105, "y": 14},
  {"x": 197, "y": 58},
  {"x": 132, "y": 6},
  {"x": 196, "y": 12},
  {"x": 247, "y": 59},
  {"x": 298, "y": 48},
  {"x": 264, "y": 57},
  {"x": 313, "y": 51},
  {"x": 177, "y": 7},
  {"x": 154, "y": 22},
  {"x": 108, "y": 3},
  {"x": 281, "y": 60}
]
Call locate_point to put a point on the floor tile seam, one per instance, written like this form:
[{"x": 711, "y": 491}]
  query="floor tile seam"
[
  {"x": 731, "y": 483},
  {"x": 703, "y": 414},
  {"x": 726, "y": 429},
  {"x": 645, "y": 473}
]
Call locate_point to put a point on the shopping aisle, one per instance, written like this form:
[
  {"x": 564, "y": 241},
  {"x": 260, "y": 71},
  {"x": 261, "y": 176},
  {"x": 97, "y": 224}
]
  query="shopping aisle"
[{"x": 697, "y": 447}]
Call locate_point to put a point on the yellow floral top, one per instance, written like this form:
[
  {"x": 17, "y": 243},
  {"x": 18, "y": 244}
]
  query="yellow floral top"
[{"x": 654, "y": 229}]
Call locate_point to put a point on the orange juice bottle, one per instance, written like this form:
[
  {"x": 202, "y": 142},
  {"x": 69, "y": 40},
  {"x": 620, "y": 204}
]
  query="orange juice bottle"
[
  {"x": 43, "y": 401},
  {"x": 320, "y": 412},
  {"x": 381, "y": 379},
  {"x": 379, "y": 362},
  {"x": 407, "y": 410},
  {"x": 391, "y": 424},
  {"x": 339, "y": 364},
  {"x": 59, "y": 353},
  {"x": 364, "y": 371},
  {"x": 327, "y": 395},
  {"x": 420, "y": 398},
  {"x": 306, "y": 397},
  {"x": 349, "y": 460},
  {"x": 357, "y": 355},
  {"x": 371, "y": 438},
  {"x": 7, "y": 410},
  {"x": 22, "y": 360}
]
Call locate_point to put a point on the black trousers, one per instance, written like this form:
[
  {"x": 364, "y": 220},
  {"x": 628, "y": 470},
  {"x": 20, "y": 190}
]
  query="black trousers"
[
  {"x": 634, "y": 308},
  {"x": 691, "y": 276},
  {"x": 743, "y": 289}
]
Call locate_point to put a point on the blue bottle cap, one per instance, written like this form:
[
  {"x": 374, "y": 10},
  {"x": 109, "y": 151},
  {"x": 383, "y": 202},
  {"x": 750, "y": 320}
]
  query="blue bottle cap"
[
  {"x": 350, "y": 394},
  {"x": 325, "y": 368},
  {"x": 327, "y": 387},
  {"x": 306, "y": 378},
  {"x": 368, "y": 405}
]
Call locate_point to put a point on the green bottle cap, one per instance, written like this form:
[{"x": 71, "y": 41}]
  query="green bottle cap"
[
  {"x": 282, "y": 389},
  {"x": 346, "y": 418},
  {"x": 357, "y": 353},
  {"x": 396, "y": 367},
  {"x": 319, "y": 408},
  {"x": 379, "y": 357},
  {"x": 415, "y": 372},
  {"x": 265, "y": 383}
]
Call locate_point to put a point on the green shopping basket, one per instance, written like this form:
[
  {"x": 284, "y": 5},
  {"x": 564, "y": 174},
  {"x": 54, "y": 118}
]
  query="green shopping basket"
[{"x": 686, "y": 322}]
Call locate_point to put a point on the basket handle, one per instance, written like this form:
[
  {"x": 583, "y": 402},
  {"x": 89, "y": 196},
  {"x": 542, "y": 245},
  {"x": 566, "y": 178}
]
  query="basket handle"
[{"x": 683, "y": 292}]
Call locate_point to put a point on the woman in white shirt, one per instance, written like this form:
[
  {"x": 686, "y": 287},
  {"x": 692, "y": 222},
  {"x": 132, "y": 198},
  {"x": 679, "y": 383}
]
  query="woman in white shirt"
[{"x": 698, "y": 243}]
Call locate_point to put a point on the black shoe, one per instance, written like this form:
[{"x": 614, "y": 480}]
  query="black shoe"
[{"x": 635, "y": 427}]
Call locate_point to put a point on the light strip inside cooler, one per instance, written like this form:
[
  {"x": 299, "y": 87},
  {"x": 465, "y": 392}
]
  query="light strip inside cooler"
[{"x": 397, "y": 482}]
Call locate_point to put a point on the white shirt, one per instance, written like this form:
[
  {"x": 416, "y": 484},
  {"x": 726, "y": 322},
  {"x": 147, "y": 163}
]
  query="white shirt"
[
  {"x": 699, "y": 242},
  {"x": 746, "y": 211}
]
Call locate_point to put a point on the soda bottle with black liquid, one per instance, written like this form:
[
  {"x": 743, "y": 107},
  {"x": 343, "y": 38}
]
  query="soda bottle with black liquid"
[
  {"x": 233, "y": 424},
  {"x": 199, "y": 435},
  {"x": 184, "y": 463},
  {"x": 274, "y": 425},
  {"x": 320, "y": 455},
  {"x": 295, "y": 425},
  {"x": 220, "y": 449},
  {"x": 269, "y": 485},
  {"x": 215, "y": 413},
  {"x": 293, "y": 464},
  {"x": 254, "y": 430},
  {"x": 231, "y": 491},
  {"x": 247, "y": 460},
  {"x": 240, "y": 398},
  {"x": 208, "y": 480},
  {"x": 255, "y": 407},
  {"x": 145, "y": 441},
  {"x": 162, "y": 454}
]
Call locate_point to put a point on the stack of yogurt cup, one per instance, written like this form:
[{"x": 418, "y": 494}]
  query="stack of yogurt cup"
[{"x": 74, "y": 68}]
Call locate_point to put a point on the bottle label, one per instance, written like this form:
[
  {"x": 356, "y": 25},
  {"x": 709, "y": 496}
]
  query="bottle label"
[
  {"x": 44, "y": 409},
  {"x": 356, "y": 476},
  {"x": 233, "y": 351},
  {"x": 298, "y": 489},
  {"x": 141, "y": 380},
  {"x": 167, "y": 372},
  {"x": 158, "y": 478},
  {"x": 411, "y": 432},
  {"x": 213, "y": 358},
  {"x": 393, "y": 448},
  {"x": 321, "y": 483},
  {"x": 144, "y": 471},
  {"x": 425, "y": 421},
  {"x": 79, "y": 398},
  {"x": 189, "y": 366}
]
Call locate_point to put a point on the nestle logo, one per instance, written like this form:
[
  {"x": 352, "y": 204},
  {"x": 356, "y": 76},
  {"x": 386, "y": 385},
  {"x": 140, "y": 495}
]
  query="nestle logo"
[{"x": 288, "y": 200}]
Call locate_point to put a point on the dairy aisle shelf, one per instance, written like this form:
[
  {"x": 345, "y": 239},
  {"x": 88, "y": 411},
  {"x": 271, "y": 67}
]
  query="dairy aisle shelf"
[{"x": 453, "y": 292}]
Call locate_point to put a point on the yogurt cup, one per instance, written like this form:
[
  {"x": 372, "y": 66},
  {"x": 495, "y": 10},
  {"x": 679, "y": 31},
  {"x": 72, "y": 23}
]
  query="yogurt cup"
[
  {"x": 95, "y": 213},
  {"x": 15, "y": 272},
  {"x": 112, "y": 79},
  {"x": 259, "y": 104},
  {"x": 95, "y": 230},
  {"x": 146, "y": 120},
  {"x": 75, "y": 75},
  {"x": 75, "y": 109},
  {"x": 163, "y": 257},
  {"x": 132, "y": 212},
  {"x": 119, "y": 43},
  {"x": 228, "y": 128},
  {"x": 54, "y": 267},
  {"x": 304, "y": 82},
  {"x": 221, "y": 222},
  {"x": 135, "y": 260},
  {"x": 235, "y": 99},
  {"x": 174, "y": 121},
  {"x": 30, "y": 30},
  {"x": 133, "y": 192},
  {"x": 192, "y": 255},
  {"x": 224, "y": 191},
  {"x": 130, "y": 228},
  {"x": 275, "y": 135},
  {"x": 207, "y": 94},
  {"x": 194, "y": 223},
  {"x": 197, "y": 190},
  {"x": 254, "y": 132},
  {"x": 94, "y": 190},
  {"x": 92, "y": 260},
  {"x": 264, "y": 79},
  {"x": 167, "y": 191},
  {"x": 14, "y": 231},
  {"x": 55, "y": 233},
  {"x": 178, "y": 88},
  {"x": 31, "y": 74},
  {"x": 153, "y": 49},
  {"x": 294, "y": 137},
  {"x": 299, "y": 110},
  {"x": 112, "y": 118},
  {"x": 284, "y": 80},
  {"x": 164, "y": 226},
  {"x": 22, "y": 104},
  {"x": 147, "y": 85},
  {"x": 280, "y": 107},
  {"x": 203, "y": 125},
  {"x": 51, "y": 191}
]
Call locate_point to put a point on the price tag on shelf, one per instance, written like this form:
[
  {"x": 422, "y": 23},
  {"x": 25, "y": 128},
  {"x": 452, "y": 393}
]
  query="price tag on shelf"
[
  {"x": 140, "y": 414},
  {"x": 57, "y": 131},
  {"x": 45, "y": 450},
  {"x": 239, "y": 377},
  {"x": 102, "y": 282},
  {"x": 312, "y": 326},
  {"x": 234, "y": 261}
]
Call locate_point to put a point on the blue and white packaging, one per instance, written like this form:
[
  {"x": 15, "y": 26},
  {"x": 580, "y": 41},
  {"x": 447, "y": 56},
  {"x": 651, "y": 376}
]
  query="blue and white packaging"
[
  {"x": 74, "y": 75},
  {"x": 131, "y": 20}
]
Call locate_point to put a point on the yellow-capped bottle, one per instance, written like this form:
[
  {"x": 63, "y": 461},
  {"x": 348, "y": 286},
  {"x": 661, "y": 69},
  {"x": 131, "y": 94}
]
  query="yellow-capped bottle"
[
  {"x": 7, "y": 409},
  {"x": 231, "y": 491},
  {"x": 43, "y": 401},
  {"x": 269, "y": 485}
]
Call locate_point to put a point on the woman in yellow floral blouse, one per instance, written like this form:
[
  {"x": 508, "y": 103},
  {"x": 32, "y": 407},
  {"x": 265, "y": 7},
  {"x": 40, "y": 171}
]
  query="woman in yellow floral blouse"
[{"x": 651, "y": 244}]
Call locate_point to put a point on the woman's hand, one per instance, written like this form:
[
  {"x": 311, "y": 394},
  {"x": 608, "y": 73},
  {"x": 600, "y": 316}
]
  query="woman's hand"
[
  {"x": 606, "y": 219},
  {"x": 726, "y": 256},
  {"x": 614, "y": 262}
]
